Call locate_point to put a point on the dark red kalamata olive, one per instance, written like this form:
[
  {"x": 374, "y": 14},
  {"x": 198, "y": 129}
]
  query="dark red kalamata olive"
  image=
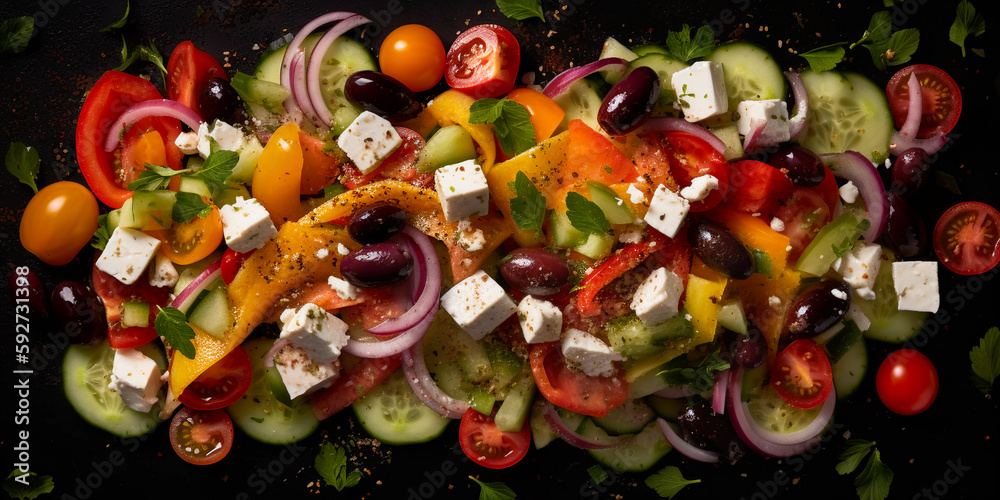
[
  {"x": 376, "y": 265},
  {"x": 802, "y": 166},
  {"x": 904, "y": 229},
  {"x": 630, "y": 101},
  {"x": 909, "y": 171},
  {"x": 381, "y": 94},
  {"x": 817, "y": 308},
  {"x": 28, "y": 294},
  {"x": 748, "y": 351},
  {"x": 79, "y": 311},
  {"x": 534, "y": 271},
  {"x": 376, "y": 223},
  {"x": 706, "y": 429},
  {"x": 218, "y": 100},
  {"x": 720, "y": 250}
]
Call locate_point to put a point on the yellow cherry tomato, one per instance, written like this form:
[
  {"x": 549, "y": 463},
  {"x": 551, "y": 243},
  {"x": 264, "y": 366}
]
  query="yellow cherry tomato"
[
  {"x": 58, "y": 222},
  {"x": 414, "y": 55},
  {"x": 188, "y": 242}
]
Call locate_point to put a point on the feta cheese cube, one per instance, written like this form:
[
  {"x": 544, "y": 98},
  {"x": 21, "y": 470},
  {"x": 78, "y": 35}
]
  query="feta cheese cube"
[
  {"x": 204, "y": 140},
  {"x": 916, "y": 285},
  {"x": 187, "y": 142},
  {"x": 855, "y": 314},
  {"x": 226, "y": 136},
  {"x": 342, "y": 288},
  {"x": 700, "y": 187},
  {"x": 301, "y": 374},
  {"x": 368, "y": 140},
  {"x": 321, "y": 334},
  {"x": 701, "y": 90},
  {"x": 657, "y": 297},
  {"x": 588, "y": 353},
  {"x": 462, "y": 189},
  {"x": 859, "y": 268},
  {"x": 469, "y": 238},
  {"x": 774, "y": 114},
  {"x": 246, "y": 225},
  {"x": 127, "y": 254},
  {"x": 478, "y": 304},
  {"x": 777, "y": 224},
  {"x": 667, "y": 211},
  {"x": 162, "y": 272},
  {"x": 849, "y": 192},
  {"x": 541, "y": 321},
  {"x": 136, "y": 378}
]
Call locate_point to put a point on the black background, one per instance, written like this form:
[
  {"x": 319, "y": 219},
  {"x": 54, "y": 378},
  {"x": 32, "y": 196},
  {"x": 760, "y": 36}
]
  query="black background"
[{"x": 951, "y": 451}]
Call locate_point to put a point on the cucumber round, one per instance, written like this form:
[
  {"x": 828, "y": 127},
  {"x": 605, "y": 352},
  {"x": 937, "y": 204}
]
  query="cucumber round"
[
  {"x": 667, "y": 408},
  {"x": 640, "y": 453},
  {"x": 889, "y": 324},
  {"x": 260, "y": 414},
  {"x": 581, "y": 100},
  {"x": 392, "y": 414},
  {"x": 541, "y": 433},
  {"x": 774, "y": 414},
  {"x": 86, "y": 373},
  {"x": 751, "y": 73},
  {"x": 628, "y": 418},
  {"x": 847, "y": 112},
  {"x": 849, "y": 370}
]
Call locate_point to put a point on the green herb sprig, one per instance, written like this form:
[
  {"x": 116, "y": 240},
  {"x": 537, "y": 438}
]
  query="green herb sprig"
[
  {"x": 875, "y": 478},
  {"x": 331, "y": 463},
  {"x": 511, "y": 123},
  {"x": 669, "y": 481},
  {"x": 519, "y": 10},
  {"x": 986, "y": 360},
  {"x": 23, "y": 162}
]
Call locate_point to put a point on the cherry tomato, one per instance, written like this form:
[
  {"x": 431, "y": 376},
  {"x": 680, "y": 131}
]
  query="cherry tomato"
[
  {"x": 188, "y": 71},
  {"x": 907, "y": 382},
  {"x": 572, "y": 389},
  {"x": 942, "y": 100},
  {"x": 232, "y": 261},
  {"x": 803, "y": 215},
  {"x": 414, "y": 55},
  {"x": 59, "y": 221},
  {"x": 115, "y": 294},
  {"x": 188, "y": 242},
  {"x": 483, "y": 61},
  {"x": 488, "y": 446},
  {"x": 801, "y": 374},
  {"x": 201, "y": 437},
  {"x": 687, "y": 157},
  {"x": 546, "y": 115},
  {"x": 966, "y": 238},
  {"x": 223, "y": 383}
]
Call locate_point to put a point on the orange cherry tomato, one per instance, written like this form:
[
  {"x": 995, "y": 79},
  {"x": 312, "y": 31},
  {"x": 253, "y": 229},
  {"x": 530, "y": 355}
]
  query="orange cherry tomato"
[
  {"x": 414, "y": 55},
  {"x": 546, "y": 115},
  {"x": 188, "y": 242},
  {"x": 58, "y": 222},
  {"x": 277, "y": 179}
]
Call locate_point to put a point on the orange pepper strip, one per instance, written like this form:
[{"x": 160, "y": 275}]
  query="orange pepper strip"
[
  {"x": 278, "y": 176},
  {"x": 754, "y": 232},
  {"x": 452, "y": 107}
]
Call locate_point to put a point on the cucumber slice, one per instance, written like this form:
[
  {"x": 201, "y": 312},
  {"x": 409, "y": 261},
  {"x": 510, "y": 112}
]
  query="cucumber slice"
[
  {"x": 514, "y": 409},
  {"x": 643, "y": 50},
  {"x": 581, "y": 100},
  {"x": 260, "y": 414},
  {"x": 541, "y": 433},
  {"x": 843, "y": 341},
  {"x": 751, "y": 73},
  {"x": 149, "y": 210},
  {"x": 86, "y": 373},
  {"x": 194, "y": 185},
  {"x": 449, "y": 145},
  {"x": 646, "y": 384},
  {"x": 849, "y": 371},
  {"x": 732, "y": 317},
  {"x": 212, "y": 313},
  {"x": 596, "y": 246},
  {"x": 636, "y": 455},
  {"x": 614, "y": 48},
  {"x": 847, "y": 112},
  {"x": 819, "y": 254},
  {"x": 267, "y": 94},
  {"x": 731, "y": 137},
  {"x": 628, "y": 418},
  {"x": 392, "y": 414},
  {"x": 227, "y": 195},
  {"x": 135, "y": 313},
  {"x": 774, "y": 414},
  {"x": 607, "y": 199},
  {"x": 564, "y": 235},
  {"x": 667, "y": 408},
  {"x": 889, "y": 324},
  {"x": 634, "y": 339},
  {"x": 245, "y": 166}
]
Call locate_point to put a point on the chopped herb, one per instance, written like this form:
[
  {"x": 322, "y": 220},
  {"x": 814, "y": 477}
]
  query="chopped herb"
[
  {"x": 947, "y": 182},
  {"x": 153, "y": 178},
  {"x": 27, "y": 485},
  {"x": 684, "y": 48},
  {"x": 103, "y": 233},
  {"x": 762, "y": 262},
  {"x": 217, "y": 168},
  {"x": 824, "y": 58},
  {"x": 967, "y": 23},
  {"x": 679, "y": 372},
  {"x": 15, "y": 34},
  {"x": 528, "y": 208},
  {"x": 585, "y": 215},
  {"x": 171, "y": 324},
  {"x": 331, "y": 463},
  {"x": 669, "y": 481},
  {"x": 986, "y": 360},
  {"x": 879, "y": 29},
  {"x": 520, "y": 10},
  {"x": 334, "y": 190},
  {"x": 142, "y": 52},
  {"x": 511, "y": 123},
  {"x": 598, "y": 474},
  {"x": 896, "y": 50},
  {"x": 23, "y": 162},
  {"x": 873, "y": 481},
  {"x": 119, "y": 23},
  {"x": 494, "y": 491},
  {"x": 188, "y": 206}
]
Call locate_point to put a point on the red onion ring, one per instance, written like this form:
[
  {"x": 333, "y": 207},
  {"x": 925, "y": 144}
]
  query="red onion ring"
[
  {"x": 854, "y": 167},
  {"x": 749, "y": 430},
  {"x": 423, "y": 385},
  {"x": 906, "y": 137},
  {"x": 144, "y": 109},
  {"x": 563, "y": 80},
  {"x": 808, "y": 432},
  {"x": 797, "y": 123},
  {"x": 297, "y": 73},
  {"x": 320, "y": 109},
  {"x": 201, "y": 282},
  {"x": 393, "y": 346},
  {"x": 685, "y": 448},
  {"x": 571, "y": 436},
  {"x": 719, "y": 392},
  {"x": 268, "y": 356},
  {"x": 757, "y": 126},
  {"x": 669, "y": 123},
  {"x": 294, "y": 46},
  {"x": 428, "y": 269}
]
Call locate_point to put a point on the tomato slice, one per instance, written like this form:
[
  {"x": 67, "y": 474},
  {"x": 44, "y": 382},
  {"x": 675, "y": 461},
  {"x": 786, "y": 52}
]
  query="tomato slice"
[
  {"x": 488, "y": 446},
  {"x": 802, "y": 216},
  {"x": 572, "y": 389},
  {"x": 150, "y": 140},
  {"x": 223, "y": 383},
  {"x": 966, "y": 238},
  {"x": 188, "y": 242},
  {"x": 801, "y": 374},
  {"x": 232, "y": 261},
  {"x": 358, "y": 376},
  {"x": 757, "y": 188},
  {"x": 685, "y": 157},
  {"x": 591, "y": 156},
  {"x": 188, "y": 71},
  {"x": 115, "y": 294},
  {"x": 400, "y": 165},
  {"x": 942, "y": 99},
  {"x": 318, "y": 168},
  {"x": 907, "y": 382},
  {"x": 483, "y": 61},
  {"x": 201, "y": 437}
]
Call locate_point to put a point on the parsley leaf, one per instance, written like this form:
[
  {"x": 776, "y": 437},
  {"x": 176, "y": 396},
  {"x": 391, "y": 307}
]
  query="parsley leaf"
[
  {"x": 103, "y": 233},
  {"x": 119, "y": 23},
  {"x": 585, "y": 215},
  {"x": 669, "y": 481},
  {"x": 684, "y": 48},
  {"x": 851, "y": 457},
  {"x": 153, "y": 178},
  {"x": 217, "y": 168},
  {"x": 331, "y": 463},
  {"x": 986, "y": 360},
  {"x": 494, "y": 491},
  {"x": 879, "y": 29},
  {"x": 520, "y": 10},
  {"x": 824, "y": 58},
  {"x": 188, "y": 206},
  {"x": 528, "y": 208},
  {"x": 967, "y": 22},
  {"x": 142, "y": 52},
  {"x": 874, "y": 479},
  {"x": 679, "y": 372},
  {"x": 15, "y": 33},
  {"x": 22, "y": 162},
  {"x": 511, "y": 123},
  {"x": 896, "y": 50},
  {"x": 28, "y": 485},
  {"x": 171, "y": 324}
]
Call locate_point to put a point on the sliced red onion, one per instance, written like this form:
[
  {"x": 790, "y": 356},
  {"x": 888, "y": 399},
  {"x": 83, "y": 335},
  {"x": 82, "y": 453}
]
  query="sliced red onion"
[
  {"x": 906, "y": 137},
  {"x": 317, "y": 103},
  {"x": 669, "y": 124},
  {"x": 797, "y": 123},
  {"x": 426, "y": 265},
  {"x": 294, "y": 46},
  {"x": 201, "y": 282},
  {"x": 424, "y": 386},
  {"x": 571, "y": 436},
  {"x": 685, "y": 448},
  {"x": 676, "y": 391},
  {"x": 853, "y": 166},
  {"x": 152, "y": 107},
  {"x": 750, "y": 432},
  {"x": 757, "y": 126},
  {"x": 297, "y": 73},
  {"x": 719, "y": 392},
  {"x": 268, "y": 356},
  {"x": 563, "y": 80},
  {"x": 393, "y": 346}
]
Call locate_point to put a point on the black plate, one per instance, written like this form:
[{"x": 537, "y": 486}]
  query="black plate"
[{"x": 953, "y": 449}]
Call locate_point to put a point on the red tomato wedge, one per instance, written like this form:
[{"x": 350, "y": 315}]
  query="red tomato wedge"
[
  {"x": 967, "y": 238},
  {"x": 188, "y": 71},
  {"x": 801, "y": 374},
  {"x": 483, "y": 61},
  {"x": 400, "y": 165},
  {"x": 115, "y": 294},
  {"x": 683, "y": 157},
  {"x": 757, "y": 188},
  {"x": 572, "y": 389},
  {"x": 232, "y": 261},
  {"x": 942, "y": 99},
  {"x": 802, "y": 217},
  {"x": 223, "y": 383},
  {"x": 591, "y": 156},
  {"x": 355, "y": 380},
  {"x": 319, "y": 169},
  {"x": 488, "y": 446}
]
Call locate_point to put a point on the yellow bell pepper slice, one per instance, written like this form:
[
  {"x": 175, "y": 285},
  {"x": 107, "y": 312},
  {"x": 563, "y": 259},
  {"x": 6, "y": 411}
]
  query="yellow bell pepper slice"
[
  {"x": 452, "y": 107},
  {"x": 278, "y": 175},
  {"x": 703, "y": 299}
]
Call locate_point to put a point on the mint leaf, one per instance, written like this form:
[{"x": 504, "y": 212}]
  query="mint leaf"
[
  {"x": 511, "y": 123},
  {"x": 520, "y": 10},
  {"x": 851, "y": 457},
  {"x": 103, "y": 233},
  {"x": 528, "y": 208},
  {"x": 824, "y": 58},
  {"x": 15, "y": 34},
  {"x": 171, "y": 324},
  {"x": 874, "y": 480},
  {"x": 22, "y": 162},
  {"x": 967, "y": 23},
  {"x": 142, "y": 52},
  {"x": 27, "y": 485},
  {"x": 680, "y": 372},
  {"x": 494, "y": 491},
  {"x": 684, "y": 48},
  {"x": 585, "y": 215},
  {"x": 217, "y": 168},
  {"x": 153, "y": 178},
  {"x": 119, "y": 23},
  {"x": 188, "y": 206},
  {"x": 986, "y": 360},
  {"x": 669, "y": 481},
  {"x": 331, "y": 463},
  {"x": 486, "y": 110}
]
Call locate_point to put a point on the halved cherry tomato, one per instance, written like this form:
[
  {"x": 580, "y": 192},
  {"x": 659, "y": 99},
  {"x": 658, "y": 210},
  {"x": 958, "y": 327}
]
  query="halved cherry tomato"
[
  {"x": 223, "y": 383},
  {"x": 572, "y": 389},
  {"x": 967, "y": 238},
  {"x": 756, "y": 187},
  {"x": 546, "y": 115},
  {"x": 201, "y": 437},
  {"x": 803, "y": 215},
  {"x": 232, "y": 261},
  {"x": 400, "y": 165},
  {"x": 358, "y": 376},
  {"x": 483, "y": 61},
  {"x": 59, "y": 221},
  {"x": 319, "y": 169},
  {"x": 687, "y": 157},
  {"x": 942, "y": 99},
  {"x": 801, "y": 374},
  {"x": 907, "y": 382},
  {"x": 188, "y": 242},
  {"x": 188, "y": 71},
  {"x": 115, "y": 294},
  {"x": 488, "y": 446},
  {"x": 414, "y": 55}
]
